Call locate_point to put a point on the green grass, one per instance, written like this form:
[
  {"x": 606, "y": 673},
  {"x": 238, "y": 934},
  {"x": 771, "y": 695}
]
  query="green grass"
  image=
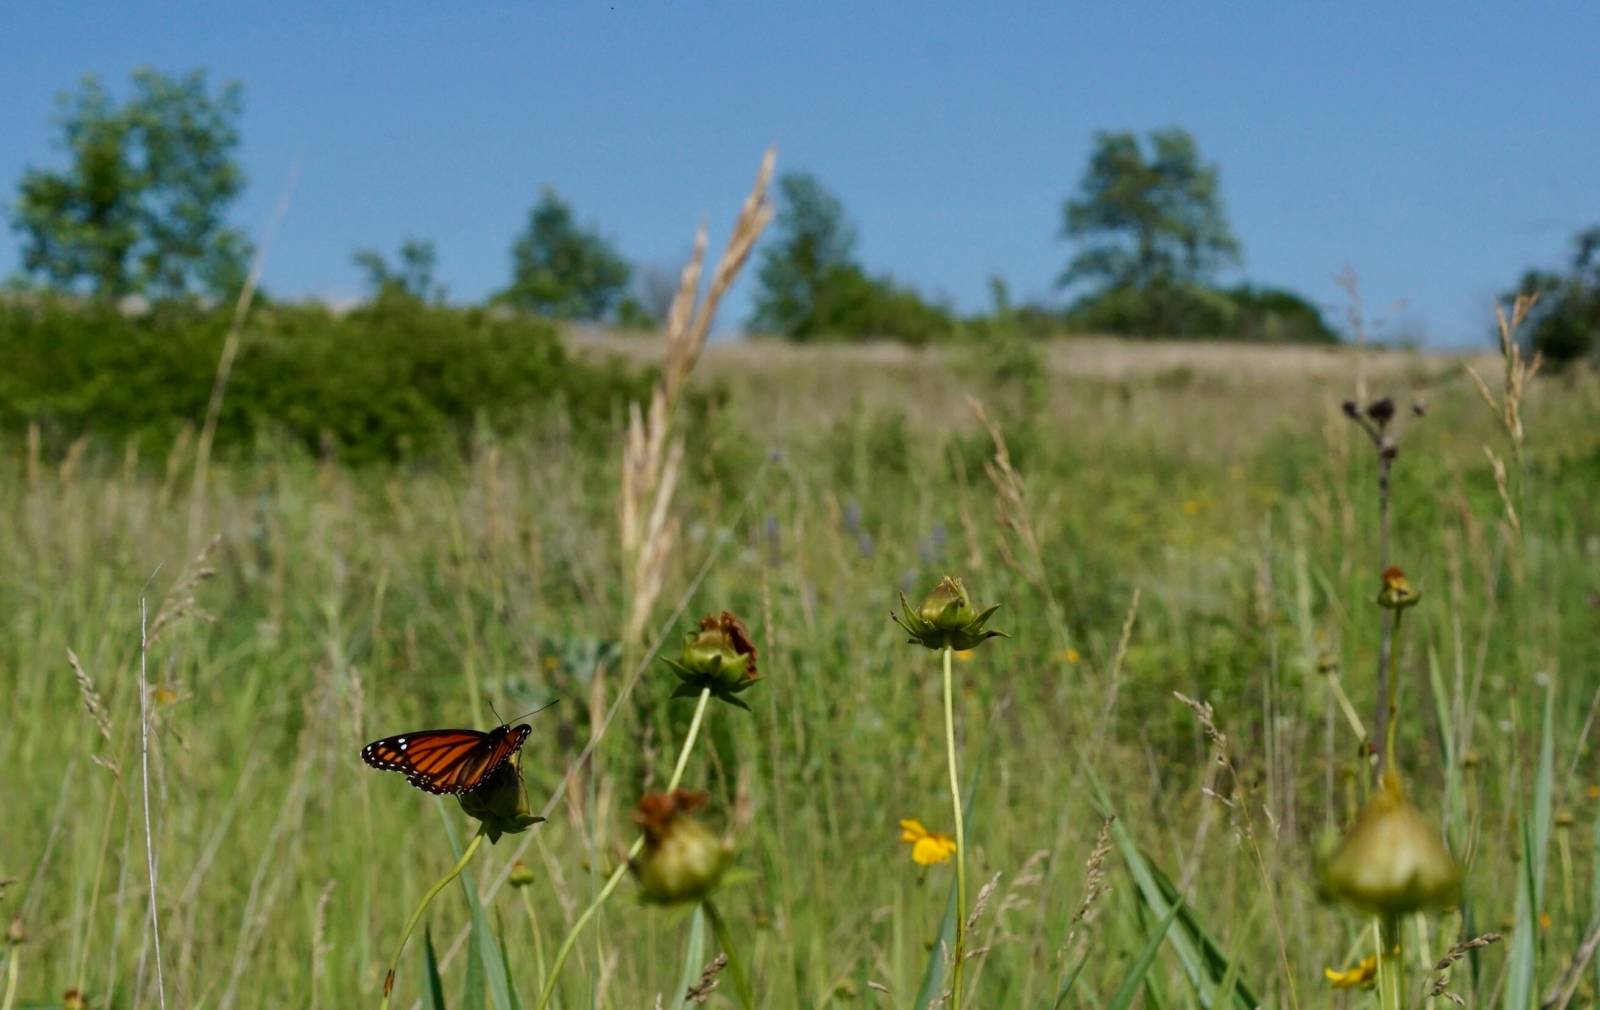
[{"x": 348, "y": 604}]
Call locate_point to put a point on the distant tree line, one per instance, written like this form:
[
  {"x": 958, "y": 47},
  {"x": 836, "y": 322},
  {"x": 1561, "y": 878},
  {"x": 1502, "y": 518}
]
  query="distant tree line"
[{"x": 140, "y": 208}]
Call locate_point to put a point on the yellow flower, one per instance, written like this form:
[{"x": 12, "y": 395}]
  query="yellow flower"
[
  {"x": 1191, "y": 506},
  {"x": 927, "y": 847},
  {"x": 1069, "y": 656},
  {"x": 1544, "y": 920},
  {"x": 1361, "y": 975},
  {"x": 965, "y": 655},
  {"x": 1594, "y": 792}
]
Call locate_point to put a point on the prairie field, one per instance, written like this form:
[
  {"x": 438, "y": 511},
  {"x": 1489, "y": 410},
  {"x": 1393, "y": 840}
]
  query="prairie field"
[{"x": 1162, "y": 519}]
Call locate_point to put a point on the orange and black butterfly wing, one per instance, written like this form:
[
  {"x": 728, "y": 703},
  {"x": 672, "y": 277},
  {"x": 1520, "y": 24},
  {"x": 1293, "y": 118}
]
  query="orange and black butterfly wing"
[
  {"x": 497, "y": 749},
  {"x": 446, "y": 760}
]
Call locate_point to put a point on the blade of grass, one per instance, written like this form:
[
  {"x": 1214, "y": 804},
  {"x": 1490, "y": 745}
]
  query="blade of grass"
[
  {"x": 432, "y": 984},
  {"x": 1201, "y": 956},
  {"x": 1523, "y": 967},
  {"x": 694, "y": 957},
  {"x": 483, "y": 941},
  {"x": 1129, "y": 989}
]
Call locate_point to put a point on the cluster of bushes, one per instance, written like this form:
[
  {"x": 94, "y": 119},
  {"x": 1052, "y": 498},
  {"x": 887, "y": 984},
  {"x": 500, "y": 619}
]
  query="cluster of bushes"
[
  {"x": 397, "y": 379},
  {"x": 1267, "y": 315}
]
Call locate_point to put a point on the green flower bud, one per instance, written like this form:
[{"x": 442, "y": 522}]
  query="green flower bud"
[
  {"x": 501, "y": 804},
  {"x": 15, "y": 934},
  {"x": 682, "y": 859},
  {"x": 946, "y": 618},
  {"x": 1392, "y": 861},
  {"x": 1397, "y": 592},
  {"x": 521, "y": 874},
  {"x": 719, "y": 657}
]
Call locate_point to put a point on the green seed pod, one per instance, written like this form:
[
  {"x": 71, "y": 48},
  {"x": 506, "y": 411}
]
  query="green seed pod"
[
  {"x": 501, "y": 804},
  {"x": 1397, "y": 592},
  {"x": 521, "y": 874},
  {"x": 719, "y": 657},
  {"x": 946, "y": 618},
  {"x": 1392, "y": 861},
  {"x": 682, "y": 859}
]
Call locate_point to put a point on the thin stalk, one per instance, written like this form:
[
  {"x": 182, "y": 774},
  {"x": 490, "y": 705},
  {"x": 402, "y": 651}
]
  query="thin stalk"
[
  {"x": 612, "y": 881},
  {"x": 961, "y": 835},
  {"x": 538, "y": 937},
  {"x": 1391, "y": 701},
  {"x": 1391, "y": 967},
  {"x": 144, "y": 776},
  {"x": 741, "y": 981},
  {"x": 11, "y": 979},
  {"x": 416, "y": 915},
  {"x": 1381, "y": 727}
]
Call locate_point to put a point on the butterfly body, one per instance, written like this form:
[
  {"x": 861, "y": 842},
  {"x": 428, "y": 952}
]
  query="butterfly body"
[{"x": 444, "y": 761}]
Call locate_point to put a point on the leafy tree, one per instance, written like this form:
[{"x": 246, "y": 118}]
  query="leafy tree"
[
  {"x": 815, "y": 246},
  {"x": 1147, "y": 220},
  {"x": 411, "y": 280},
  {"x": 562, "y": 270},
  {"x": 141, "y": 206},
  {"x": 1564, "y": 325}
]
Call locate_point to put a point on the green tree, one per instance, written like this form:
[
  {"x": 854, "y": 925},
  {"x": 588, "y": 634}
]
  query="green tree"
[
  {"x": 562, "y": 270},
  {"x": 141, "y": 206},
  {"x": 1147, "y": 220},
  {"x": 814, "y": 248},
  {"x": 1564, "y": 325},
  {"x": 411, "y": 279}
]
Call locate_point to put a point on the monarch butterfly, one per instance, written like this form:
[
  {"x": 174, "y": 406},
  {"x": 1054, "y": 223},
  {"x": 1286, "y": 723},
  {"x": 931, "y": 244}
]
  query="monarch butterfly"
[{"x": 447, "y": 760}]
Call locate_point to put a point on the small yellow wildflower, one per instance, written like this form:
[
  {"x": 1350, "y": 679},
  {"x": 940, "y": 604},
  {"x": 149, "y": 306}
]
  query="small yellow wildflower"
[
  {"x": 1361, "y": 975},
  {"x": 1191, "y": 506},
  {"x": 1594, "y": 792},
  {"x": 1544, "y": 920},
  {"x": 1071, "y": 655},
  {"x": 965, "y": 655},
  {"x": 927, "y": 847}
]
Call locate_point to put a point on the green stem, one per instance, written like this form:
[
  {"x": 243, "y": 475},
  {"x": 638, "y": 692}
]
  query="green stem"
[
  {"x": 961, "y": 835},
  {"x": 416, "y": 915},
  {"x": 11, "y": 978},
  {"x": 1391, "y": 966},
  {"x": 741, "y": 981},
  {"x": 1393, "y": 701},
  {"x": 612, "y": 881},
  {"x": 538, "y": 937}
]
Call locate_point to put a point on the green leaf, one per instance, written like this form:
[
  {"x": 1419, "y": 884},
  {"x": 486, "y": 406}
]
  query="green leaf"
[
  {"x": 1068, "y": 980},
  {"x": 694, "y": 958},
  {"x": 933, "y": 973},
  {"x": 1201, "y": 956},
  {"x": 1124, "y": 996},
  {"x": 485, "y": 949},
  {"x": 1523, "y": 961},
  {"x": 432, "y": 984}
]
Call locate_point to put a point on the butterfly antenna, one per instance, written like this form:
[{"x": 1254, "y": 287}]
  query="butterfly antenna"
[
  {"x": 495, "y": 711},
  {"x": 536, "y": 711}
]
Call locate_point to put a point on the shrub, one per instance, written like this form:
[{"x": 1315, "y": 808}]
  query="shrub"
[{"x": 392, "y": 380}]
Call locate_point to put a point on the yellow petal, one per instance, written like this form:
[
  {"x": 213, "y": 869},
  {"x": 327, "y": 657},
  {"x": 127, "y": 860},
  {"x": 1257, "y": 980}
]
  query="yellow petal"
[
  {"x": 933, "y": 849},
  {"x": 912, "y": 831}
]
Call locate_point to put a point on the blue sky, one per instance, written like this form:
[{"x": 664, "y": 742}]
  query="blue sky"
[{"x": 1436, "y": 148}]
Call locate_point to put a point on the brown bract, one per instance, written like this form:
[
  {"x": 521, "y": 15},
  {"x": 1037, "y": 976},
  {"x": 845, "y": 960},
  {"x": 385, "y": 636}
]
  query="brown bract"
[{"x": 657, "y": 811}]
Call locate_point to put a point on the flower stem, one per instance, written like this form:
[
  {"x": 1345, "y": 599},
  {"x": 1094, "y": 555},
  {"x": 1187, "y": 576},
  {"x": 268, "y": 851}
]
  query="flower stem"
[
  {"x": 741, "y": 981},
  {"x": 1392, "y": 702},
  {"x": 961, "y": 835},
  {"x": 612, "y": 881},
  {"x": 1386, "y": 931},
  {"x": 416, "y": 915}
]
